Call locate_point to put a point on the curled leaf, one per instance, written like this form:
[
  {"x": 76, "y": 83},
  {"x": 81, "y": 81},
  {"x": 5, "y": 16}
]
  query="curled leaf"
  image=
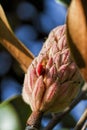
[
  {"x": 77, "y": 33},
  {"x": 16, "y": 48}
]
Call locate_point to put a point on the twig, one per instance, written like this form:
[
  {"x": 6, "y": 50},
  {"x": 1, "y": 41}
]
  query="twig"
[
  {"x": 81, "y": 121},
  {"x": 85, "y": 126},
  {"x": 56, "y": 119},
  {"x": 34, "y": 120}
]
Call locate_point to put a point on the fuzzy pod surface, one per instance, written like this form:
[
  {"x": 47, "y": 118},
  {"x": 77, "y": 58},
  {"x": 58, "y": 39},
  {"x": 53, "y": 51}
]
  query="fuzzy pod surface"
[{"x": 53, "y": 79}]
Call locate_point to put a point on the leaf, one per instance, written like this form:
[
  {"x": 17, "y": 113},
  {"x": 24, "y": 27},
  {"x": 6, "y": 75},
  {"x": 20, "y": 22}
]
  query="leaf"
[
  {"x": 65, "y": 2},
  {"x": 20, "y": 109},
  {"x": 12, "y": 44},
  {"x": 68, "y": 121},
  {"x": 8, "y": 118},
  {"x": 77, "y": 33}
]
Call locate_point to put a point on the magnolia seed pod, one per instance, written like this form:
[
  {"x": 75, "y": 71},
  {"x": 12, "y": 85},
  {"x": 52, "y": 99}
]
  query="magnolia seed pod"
[{"x": 53, "y": 79}]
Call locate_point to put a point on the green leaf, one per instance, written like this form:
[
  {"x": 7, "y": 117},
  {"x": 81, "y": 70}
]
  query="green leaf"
[
  {"x": 68, "y": 121},
  {"x": 15, "y": 112},
  {"x": 65, "y": 2},
  {"x": 8, "y": 118}
]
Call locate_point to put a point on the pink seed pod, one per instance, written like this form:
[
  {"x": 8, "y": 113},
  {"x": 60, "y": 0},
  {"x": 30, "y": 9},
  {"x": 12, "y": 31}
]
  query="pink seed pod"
[{"x": 53, "y": 79}]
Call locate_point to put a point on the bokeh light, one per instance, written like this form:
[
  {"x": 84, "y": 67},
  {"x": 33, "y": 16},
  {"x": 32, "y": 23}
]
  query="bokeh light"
[
  {"x": 9, "y": 87},
  {"x": 5, "y": 62},
  {"x": 26, "y": 11}
]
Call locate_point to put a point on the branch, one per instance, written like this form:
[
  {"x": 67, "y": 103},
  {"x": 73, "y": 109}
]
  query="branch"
[
  {"x": 56, "y": 119},
  {"x": 85, "y": 126},
  {"x": 82, "y": 120}
]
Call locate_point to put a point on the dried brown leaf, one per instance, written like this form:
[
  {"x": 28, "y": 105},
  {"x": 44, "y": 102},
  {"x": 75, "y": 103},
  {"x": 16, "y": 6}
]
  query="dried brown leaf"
[
  {"x": 15, "y": 47},
  {"x": 77, "y": 33}
]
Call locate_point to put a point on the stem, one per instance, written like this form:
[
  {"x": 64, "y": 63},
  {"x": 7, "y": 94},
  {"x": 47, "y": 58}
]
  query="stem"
[
  {"x": 34, "y": 121},
  {"x": 85, "y": 126},
  {"x": 82, "y": 120}
]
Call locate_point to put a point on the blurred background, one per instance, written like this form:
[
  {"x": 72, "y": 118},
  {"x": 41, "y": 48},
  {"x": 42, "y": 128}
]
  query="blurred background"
[{"x": 31, "y": 21}]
